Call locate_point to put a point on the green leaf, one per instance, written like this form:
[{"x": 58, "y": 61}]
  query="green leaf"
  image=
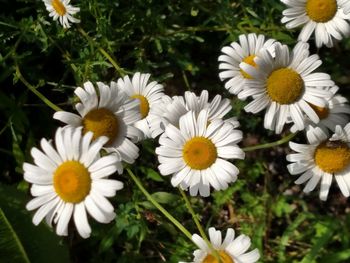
[
  {"x": 288, "y": 234},
  {"x": 39, "y": 242},
  {"x": 11, "y": 248},
  {"x": 16, "y": 149},
  {"x": 147, "y": 205},
  {"x": 337, "y": 257},
  {"x": 165, "y": 198},
  {"x": 222, "y": 197},
  {"x": 251, "y": 12},
  {"x": 158, "y": 45},
  {"x": 153, "y": 175},
  {"x": 324, "y": 232},
  {"x": 281, "y": 206}
]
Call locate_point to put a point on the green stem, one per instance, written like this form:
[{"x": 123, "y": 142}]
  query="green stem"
[
  {"x": 198, "y": 224},
  {"x": 65, "y": 53},
  {"x": 103, "y": 52},
  {"x": 114, "y": 63},
  {"x": 270, "y": 144},
  {"x": 158, "y": 206},
  {"x": 35, "y": 91},
  {"x": 197, "y": 29},
  {"x": 7, "y": 24}
]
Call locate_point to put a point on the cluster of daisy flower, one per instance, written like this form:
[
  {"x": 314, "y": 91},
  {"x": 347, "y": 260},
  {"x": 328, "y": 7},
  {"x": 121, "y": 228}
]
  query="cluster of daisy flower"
[
  {"x": 70, "y": 178},
  {"x": 197, "y": 141},
  {"x": 284, "y": 84}
]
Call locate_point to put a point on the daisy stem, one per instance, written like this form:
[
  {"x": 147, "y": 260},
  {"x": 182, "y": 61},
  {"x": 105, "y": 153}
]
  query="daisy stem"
[
  {"x": 35, "y": 91},
  {"x": 114, "y": 63},
  {"x": 103, "y": 52},
  {"x": 198, "y": 224},
  {"x": 158, "y": 206},
  {"x": 270, "y": 144}
]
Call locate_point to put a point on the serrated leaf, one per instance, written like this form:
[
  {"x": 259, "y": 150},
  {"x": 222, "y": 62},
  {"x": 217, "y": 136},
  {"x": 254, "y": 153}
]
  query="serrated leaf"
[
  {"x": 287, "y": 235},
  {"x": 323, "y": 236},
  {"x": 281, "y": 207}
]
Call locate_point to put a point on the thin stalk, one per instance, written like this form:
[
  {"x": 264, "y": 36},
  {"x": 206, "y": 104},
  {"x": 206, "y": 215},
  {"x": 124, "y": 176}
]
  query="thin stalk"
[
  {"x": 7, "y": 24},
  {"x": 65, "y": 53},
  {"x": 270, "y": 144},
  {"x": 114, "y": 63},
  {"x": 35, "y": 91},
  {"x": 198, "y": 224},
  {"x": 103, "y": 52},
  {"x": 158, "y": 206},
  {"x": 188, "y": 86}
]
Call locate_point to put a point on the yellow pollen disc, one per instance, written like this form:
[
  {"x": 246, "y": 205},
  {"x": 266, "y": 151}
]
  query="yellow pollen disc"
[
  {"x": 249, "y": 60},
  {"x": 285, "y": 86},
  {"x": 332, "y": 157},
  {"x": 224, "y": 258},
  {"x": 322, "y": 113},
  {"x": 59, "y": 7},
  {"x": 102, "y": 122},
  {"x": 321, "y": 11},
  {"x": 72, "y": 181},
  {"x": 199, "y": 153},
  {"x": 144, "y": 105}
]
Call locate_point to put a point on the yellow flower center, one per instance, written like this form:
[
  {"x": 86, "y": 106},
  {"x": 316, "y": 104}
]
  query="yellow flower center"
[
  {"x": 199, "y": 153},
  {"x": 321, "y": 11},
  {"x": 332, "y": 156},
  {"x": 59, "y": 7},
  {"x": 224, "y": 258},
  {"x": 249, "y": 60},
  {"x": 144, "y": 105},
  {"x": 285, "y": 86},
  {"x": 321, "y": 112},
  {"x": 102, "y": 122},
  {"x": 72, "y": 181}
]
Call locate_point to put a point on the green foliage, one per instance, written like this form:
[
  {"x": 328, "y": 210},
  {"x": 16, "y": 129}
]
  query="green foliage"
[
  {"x": 21, "y": 241},
  {"x": 179, "y": 43},
  {"x": 11, "y": 247}
]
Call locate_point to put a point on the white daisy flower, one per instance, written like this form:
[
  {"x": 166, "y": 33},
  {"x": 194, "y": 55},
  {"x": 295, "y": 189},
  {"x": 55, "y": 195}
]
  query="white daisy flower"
[
  {"x": 156, "y": 116},
  {"x": 322, "y": 159},
  {"x": 179, "y": 106},
  {"x": 325, "y": 17},
  {"x": 341, "y": 134},
  {"x": 70, "y": 179},
  {"x": 111, "y": 114},
  {"x": 345, "y": 4},
  {"x": 196, "y": 154},
  {"x": 246, "y": 50},
  {"x": 149, "y": 95},
  {"x": 285, "y": 86},
  {"x": 230, "y": 250},
  {"x": 63, "y": 11},
  {"x": 334, "y": 113}
]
